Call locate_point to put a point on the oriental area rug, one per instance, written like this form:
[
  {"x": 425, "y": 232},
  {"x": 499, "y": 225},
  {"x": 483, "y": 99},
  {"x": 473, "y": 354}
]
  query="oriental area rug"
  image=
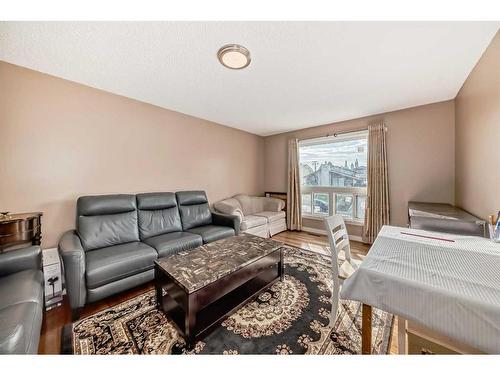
[{"x": 290, "y": 317}]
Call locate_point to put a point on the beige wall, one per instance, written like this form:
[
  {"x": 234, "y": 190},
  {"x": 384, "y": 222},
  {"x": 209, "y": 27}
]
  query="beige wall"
[
  {"x": 60, "y": 140},
  {"x": 477, "y": 113},
  {"x": 421, "y": 154}
]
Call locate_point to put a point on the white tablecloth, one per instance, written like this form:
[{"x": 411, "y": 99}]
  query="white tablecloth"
[{"x": 450, "y": 287}]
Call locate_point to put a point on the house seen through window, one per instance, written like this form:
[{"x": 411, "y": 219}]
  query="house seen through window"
[{"x": 333, "y": 174}]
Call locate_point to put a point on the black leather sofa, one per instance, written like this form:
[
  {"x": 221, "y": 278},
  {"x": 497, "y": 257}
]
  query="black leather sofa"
[
  {"x": 21, "y": 300},
  {"x": 118, "y": 238}
]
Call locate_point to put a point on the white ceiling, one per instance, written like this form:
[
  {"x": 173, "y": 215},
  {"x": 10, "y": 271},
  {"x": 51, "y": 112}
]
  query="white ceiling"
[{"x": 302, "y": 74}]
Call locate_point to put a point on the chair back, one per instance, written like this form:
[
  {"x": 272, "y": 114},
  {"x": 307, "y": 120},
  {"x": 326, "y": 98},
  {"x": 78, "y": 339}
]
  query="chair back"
[
  {"x": 339, "y": 240},
  {"x": 337, "y": 235}
]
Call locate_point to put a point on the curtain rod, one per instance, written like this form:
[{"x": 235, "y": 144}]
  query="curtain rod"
[{"x": 340, "y": 132}]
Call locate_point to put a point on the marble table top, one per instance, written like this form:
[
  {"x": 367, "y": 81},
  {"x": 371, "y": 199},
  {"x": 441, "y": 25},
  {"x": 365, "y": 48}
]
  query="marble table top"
[{"x": 194, "y": 269}]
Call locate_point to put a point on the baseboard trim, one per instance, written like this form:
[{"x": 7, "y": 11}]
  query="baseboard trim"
[
  {"x": 323, "y": 232},
  {"x": 314, "y": 230}
]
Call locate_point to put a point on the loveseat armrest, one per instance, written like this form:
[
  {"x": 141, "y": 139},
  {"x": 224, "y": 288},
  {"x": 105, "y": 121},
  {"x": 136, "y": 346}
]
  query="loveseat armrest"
[
  {"x": 229, "y": 206},
  {"x": 273, "y": 204},
  {"x": 73, "y": 257},
  {"x": 20, "y": 260},
  {"x": 232, "y": 221}
]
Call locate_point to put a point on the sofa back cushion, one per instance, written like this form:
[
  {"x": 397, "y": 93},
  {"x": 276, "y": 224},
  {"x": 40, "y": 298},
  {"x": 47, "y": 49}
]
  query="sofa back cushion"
[
  {"x": 158, "y": 214},
  {"x": 250, "y": 205},
  {"x": 106, "y": 220},
  {"x": 193, "y": 207}
]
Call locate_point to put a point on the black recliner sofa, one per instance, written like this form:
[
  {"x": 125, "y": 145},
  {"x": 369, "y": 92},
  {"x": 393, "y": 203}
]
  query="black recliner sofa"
[{"x": 118, "y": 238}]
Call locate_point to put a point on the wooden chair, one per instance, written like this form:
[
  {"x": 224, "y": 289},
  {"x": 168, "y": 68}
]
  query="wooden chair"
[{"x": 339, "y": 240}]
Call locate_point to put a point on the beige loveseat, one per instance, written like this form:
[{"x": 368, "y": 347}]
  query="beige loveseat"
[{"x": 259, "y": 215}]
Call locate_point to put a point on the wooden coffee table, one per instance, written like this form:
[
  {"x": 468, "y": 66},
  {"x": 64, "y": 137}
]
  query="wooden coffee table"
[{"x": 205, "y": 285}]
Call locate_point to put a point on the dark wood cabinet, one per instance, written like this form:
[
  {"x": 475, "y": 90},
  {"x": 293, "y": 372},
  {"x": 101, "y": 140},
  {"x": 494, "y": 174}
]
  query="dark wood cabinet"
[{"x": 16, "y": 229}]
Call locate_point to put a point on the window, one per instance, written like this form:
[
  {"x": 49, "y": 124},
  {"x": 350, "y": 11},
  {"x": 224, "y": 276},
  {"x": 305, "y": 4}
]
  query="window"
[
  {"x": 321, "y": 203},
  {"x": 333, "y": 174},
  {"x": 344, "y": 204},
  {"x": 306, "y": 203}
]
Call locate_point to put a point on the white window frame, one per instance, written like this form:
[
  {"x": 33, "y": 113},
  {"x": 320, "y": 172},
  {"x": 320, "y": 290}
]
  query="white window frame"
[{"x": 332, "y": 191}]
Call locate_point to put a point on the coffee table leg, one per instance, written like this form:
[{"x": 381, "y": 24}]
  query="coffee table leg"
[
  {"x": 190, "y": 323},
  {"x": 158, "y": 288},
  {"x": 281, "y": 267}
]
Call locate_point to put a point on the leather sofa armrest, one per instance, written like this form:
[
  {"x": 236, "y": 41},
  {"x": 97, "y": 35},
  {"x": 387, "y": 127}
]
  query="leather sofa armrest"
[
  {"x": 73, "y": 257},
  {"x": 273, "y": 204},
  {"x": 232, "y": 221},
  {"x": 20, "y": 260}
]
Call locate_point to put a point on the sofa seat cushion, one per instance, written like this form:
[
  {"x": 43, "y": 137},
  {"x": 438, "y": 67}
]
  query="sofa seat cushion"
[
  {"x": 21, "y": 287},
  {"x": 252, "y": 221},
  {"x": 118, "y": 262},
  {"x": 20, "y": 326},
  {"x": 211, "y": 233},
  {"x": 172, "y": 243},
  {"x": 271, "y": 216}
]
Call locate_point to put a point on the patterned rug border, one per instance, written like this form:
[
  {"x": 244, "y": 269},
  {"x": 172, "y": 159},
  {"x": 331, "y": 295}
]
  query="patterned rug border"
[{"x": 67, "y": 331}]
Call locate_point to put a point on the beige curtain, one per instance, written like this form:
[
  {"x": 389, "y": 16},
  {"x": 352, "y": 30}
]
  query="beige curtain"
[
  {"x": 294, "y": 209},
  {"x": 377, "y": 205}
]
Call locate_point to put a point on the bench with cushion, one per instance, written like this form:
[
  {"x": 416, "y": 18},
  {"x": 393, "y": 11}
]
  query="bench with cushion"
[{"x": 118, "y": 238}]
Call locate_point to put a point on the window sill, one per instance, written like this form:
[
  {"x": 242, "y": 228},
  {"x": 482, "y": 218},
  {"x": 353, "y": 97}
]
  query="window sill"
[{"x": 359, "y": 223}]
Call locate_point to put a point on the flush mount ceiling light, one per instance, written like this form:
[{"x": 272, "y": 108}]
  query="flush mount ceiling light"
[{"x": 234, "y": 56}]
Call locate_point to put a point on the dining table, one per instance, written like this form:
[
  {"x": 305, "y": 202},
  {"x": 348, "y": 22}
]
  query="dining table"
[{"x": 447, "y": 283}]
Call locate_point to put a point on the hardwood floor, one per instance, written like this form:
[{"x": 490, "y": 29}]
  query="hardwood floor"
[
  {"x": 318, "y": 243},
  {"x": 54, "y": 320}
]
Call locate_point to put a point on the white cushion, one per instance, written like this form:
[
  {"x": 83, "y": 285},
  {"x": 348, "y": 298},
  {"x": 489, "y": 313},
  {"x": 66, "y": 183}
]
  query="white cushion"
[
  {"x": 250, "y": 204},
  {"x": 271, "y": 216},
  {"x": 252, "y": 221},
  {"x": 261, "y": 231}
]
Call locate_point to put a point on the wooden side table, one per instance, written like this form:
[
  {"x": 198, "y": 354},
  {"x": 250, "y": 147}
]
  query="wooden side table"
[{"x": 16, "y": 229}]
